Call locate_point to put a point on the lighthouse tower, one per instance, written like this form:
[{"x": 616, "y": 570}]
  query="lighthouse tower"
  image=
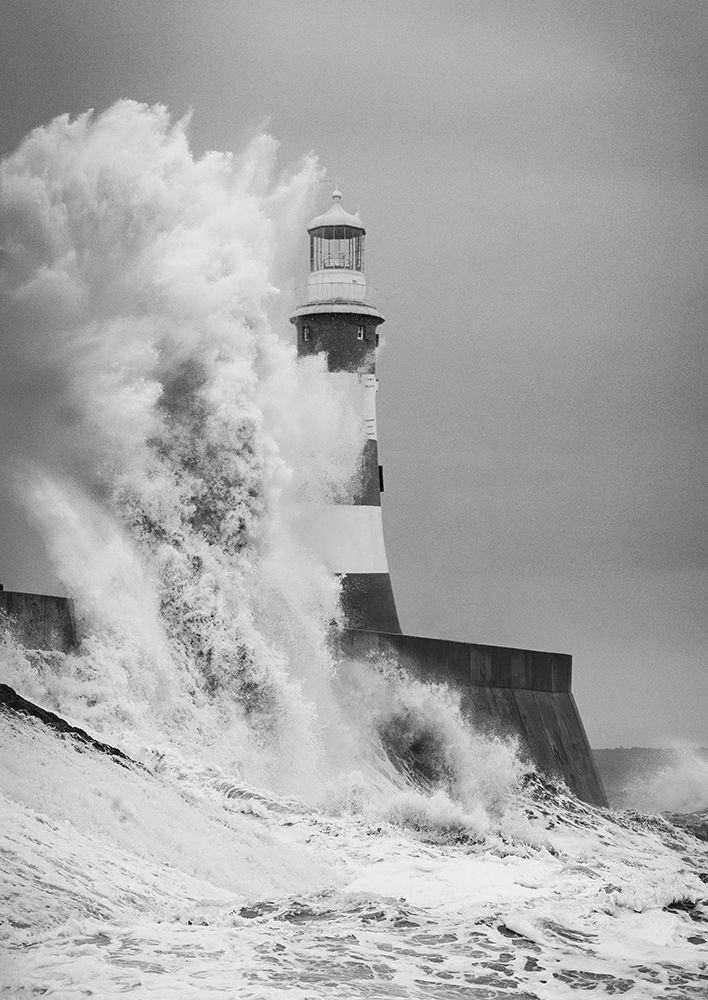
[{"x": 334, "y": 315}]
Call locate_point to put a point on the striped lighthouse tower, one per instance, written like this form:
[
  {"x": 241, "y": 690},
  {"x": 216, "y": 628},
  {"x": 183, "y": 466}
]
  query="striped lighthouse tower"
[{"x": 334, "y": 315}]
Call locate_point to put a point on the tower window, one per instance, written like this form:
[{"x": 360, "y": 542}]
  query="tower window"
[
  {"x": 360, "y": 330},
  {"x": 305, "y": 333}
]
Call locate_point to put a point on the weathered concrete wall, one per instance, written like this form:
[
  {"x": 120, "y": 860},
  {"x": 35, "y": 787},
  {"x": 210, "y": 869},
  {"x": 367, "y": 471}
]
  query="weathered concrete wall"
[
  {"x": 39, "y": 621},
  {"x": 520, "y": 692},
  {"x": 517, "y": 692}
]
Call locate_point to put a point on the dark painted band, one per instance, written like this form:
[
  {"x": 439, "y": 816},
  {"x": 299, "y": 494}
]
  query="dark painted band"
[
  {"x": 367, "y": 601},
  {"x": 368, "y": 476},
  {"x": 348, "y": 339}
]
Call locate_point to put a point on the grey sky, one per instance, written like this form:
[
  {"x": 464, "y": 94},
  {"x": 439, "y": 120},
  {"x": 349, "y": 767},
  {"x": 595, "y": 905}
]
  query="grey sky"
[{"x": 533, "y": 180}]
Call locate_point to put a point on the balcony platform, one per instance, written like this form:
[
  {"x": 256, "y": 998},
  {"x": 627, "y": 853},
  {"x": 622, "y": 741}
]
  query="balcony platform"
[{"x": 353, "y": 297}]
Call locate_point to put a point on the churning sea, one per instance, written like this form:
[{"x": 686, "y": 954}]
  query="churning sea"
[
  {"x": 288, "y": 824},
  {"x": 171, "y": 877}
]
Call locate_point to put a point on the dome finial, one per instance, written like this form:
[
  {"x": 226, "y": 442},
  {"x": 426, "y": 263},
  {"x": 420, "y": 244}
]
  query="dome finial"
[{"x": 336, "y": 215}]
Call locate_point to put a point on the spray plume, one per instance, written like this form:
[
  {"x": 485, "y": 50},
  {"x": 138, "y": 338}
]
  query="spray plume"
[{"x": 168, "y": 438}]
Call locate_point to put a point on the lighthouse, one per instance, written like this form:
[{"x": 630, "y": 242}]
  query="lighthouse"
[
  {"x": 335, "y": 316},
  {"x": 525, "y": 693}
]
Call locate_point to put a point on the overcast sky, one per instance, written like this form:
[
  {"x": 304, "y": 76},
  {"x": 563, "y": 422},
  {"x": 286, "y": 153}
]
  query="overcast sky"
[{"x": 533, "y": 181}]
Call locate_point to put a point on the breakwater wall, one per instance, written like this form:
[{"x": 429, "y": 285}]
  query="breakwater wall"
[
  {"x": 518, "y": 692},
  {"x": 40, "y": 621}
]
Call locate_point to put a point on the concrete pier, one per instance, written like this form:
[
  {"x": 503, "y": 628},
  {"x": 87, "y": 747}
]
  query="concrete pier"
[
  {"x": 517, "y": 692},
  {"x": 508, "y": 692},
  {"x": 40, "y": 621}
]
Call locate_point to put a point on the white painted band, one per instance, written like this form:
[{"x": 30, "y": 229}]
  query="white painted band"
[
  {"x": 359, "y": 389},
  {"x": 348, "y": 539}
]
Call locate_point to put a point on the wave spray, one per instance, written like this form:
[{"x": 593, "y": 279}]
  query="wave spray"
[
  {"x": 184, "y": 439},
  {"x": 292, "y": 822}
]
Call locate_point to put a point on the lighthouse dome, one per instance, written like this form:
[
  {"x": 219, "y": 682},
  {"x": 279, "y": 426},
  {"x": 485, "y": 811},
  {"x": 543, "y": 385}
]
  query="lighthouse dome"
[{"x": 337, "y": 216}]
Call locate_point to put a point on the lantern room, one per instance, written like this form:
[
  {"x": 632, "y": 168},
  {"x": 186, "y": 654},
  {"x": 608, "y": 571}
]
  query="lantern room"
[
  {"x": 336, "y": 282},
  {"x": 336, "y": 240}
]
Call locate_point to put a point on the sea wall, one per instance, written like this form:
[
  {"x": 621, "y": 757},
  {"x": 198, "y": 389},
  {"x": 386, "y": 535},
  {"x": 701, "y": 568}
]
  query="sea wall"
[
  {"x": 40, "y": 621},
  {"x": 517, "y": 692}
]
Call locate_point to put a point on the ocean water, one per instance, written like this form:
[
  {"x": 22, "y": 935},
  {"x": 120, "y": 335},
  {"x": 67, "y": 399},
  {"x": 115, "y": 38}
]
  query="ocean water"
[
  {"x": 289, "y": 823},
  {"x": 671, "y": 780}
]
